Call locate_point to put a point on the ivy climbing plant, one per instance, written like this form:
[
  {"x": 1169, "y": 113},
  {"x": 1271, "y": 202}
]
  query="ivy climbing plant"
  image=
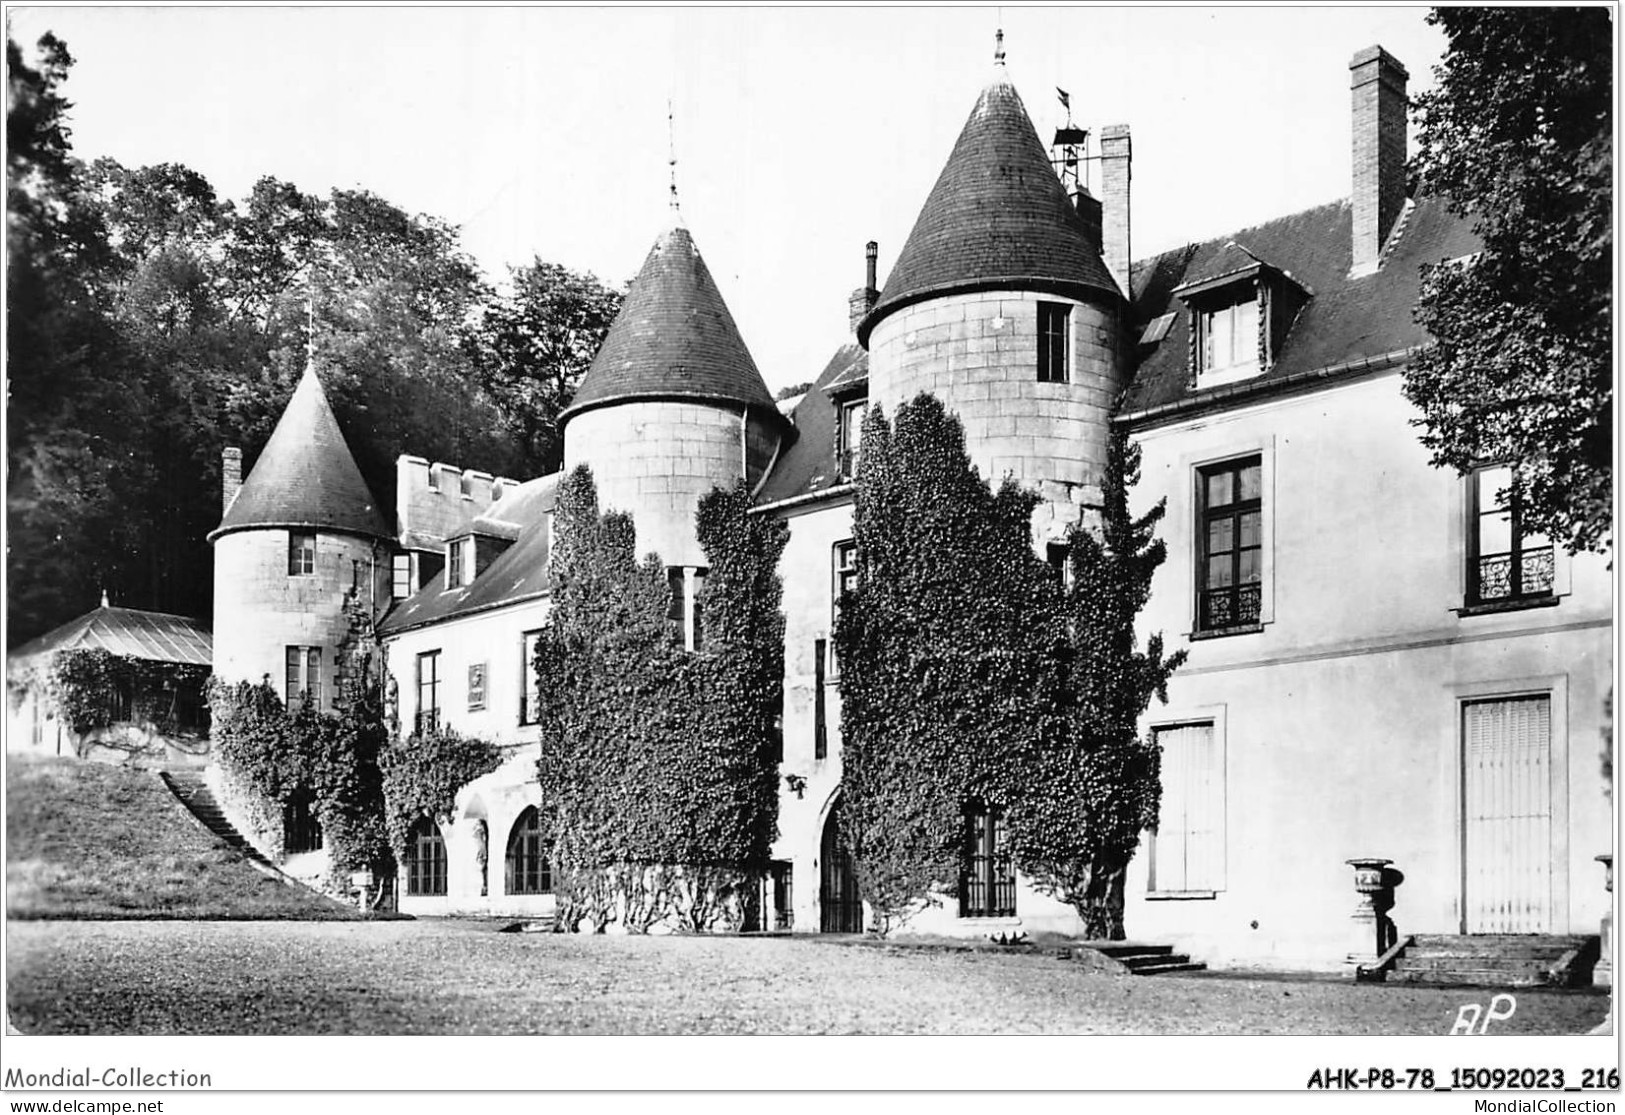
[
  {"x": 422, "y": 775},
  {"x": 972, "y": 678},
  {"x": 85, "y": 687},
  {"x": 657, "y": 768}
]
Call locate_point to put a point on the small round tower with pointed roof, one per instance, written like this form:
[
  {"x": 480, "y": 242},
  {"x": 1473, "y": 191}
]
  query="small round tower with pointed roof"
[
  {"x": 299, "y": 540},
  {"x": 1000, "y": 306},
  {"x": 672, "y": 405}
]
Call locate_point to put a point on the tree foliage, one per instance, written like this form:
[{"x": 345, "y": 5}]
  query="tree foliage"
[
  {"x": 657, "y": 768},
  {"x": 1518, "y": 136},
  {"x": 152, "y": 323},
  {"x": 971, "y": 678}
]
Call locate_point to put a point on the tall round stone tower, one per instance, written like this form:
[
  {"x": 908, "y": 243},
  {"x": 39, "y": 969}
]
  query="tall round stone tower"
[
  {"x": 300, "y": 538},
  {"x": 672, "y": 405},
  {"x": 1000, "y": 306}
]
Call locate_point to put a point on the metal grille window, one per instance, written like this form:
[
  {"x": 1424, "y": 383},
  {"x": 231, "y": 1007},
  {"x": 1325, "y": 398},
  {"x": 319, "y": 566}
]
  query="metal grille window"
[
  {"x": 428, "y": 712},
  {"x": 1507, "y": 562},
  {"x": 528, "y": 870},
  {"x": 304, "y": 675},
  {"x": 301, "y": 553},
  {"x": 1230, "y": 561},
  {"x": 301, "y": 831},
  {"x": 530, "y": 693},
  {"x": 1054, "y": 326},
  {"x": 988, "y": 888},
  {"x": 425, "y": 859},
  {"x": 1187, "y": 850}
]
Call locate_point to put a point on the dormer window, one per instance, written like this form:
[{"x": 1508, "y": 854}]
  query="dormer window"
[
  {"x": 1240, "y": 312},
  {"x": 1227, "y": 341},
  {"x": 458, "y": 566}
]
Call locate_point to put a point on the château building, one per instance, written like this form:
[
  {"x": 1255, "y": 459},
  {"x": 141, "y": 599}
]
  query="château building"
[{"x": 1382, "y": 662}]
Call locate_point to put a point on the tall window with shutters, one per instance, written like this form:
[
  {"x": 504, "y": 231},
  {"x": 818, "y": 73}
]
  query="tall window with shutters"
[
  {"x": 304, "y": 676},
  {"x": 988, "y": 884},
  {"x": 530, "y": 693},
  {"x": 428, "y": 679},
  {"x": 1187, "y": 850}
]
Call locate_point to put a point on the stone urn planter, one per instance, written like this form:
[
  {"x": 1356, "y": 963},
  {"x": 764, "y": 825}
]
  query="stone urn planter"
[{"x": 1372, "y": 932}]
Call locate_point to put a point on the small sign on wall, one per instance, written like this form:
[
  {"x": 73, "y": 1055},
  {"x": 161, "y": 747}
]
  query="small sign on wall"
[{"x": 476, "y": 686}]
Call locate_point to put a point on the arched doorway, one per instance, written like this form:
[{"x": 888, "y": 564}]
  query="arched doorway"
[{"x": 841, "y": 910}]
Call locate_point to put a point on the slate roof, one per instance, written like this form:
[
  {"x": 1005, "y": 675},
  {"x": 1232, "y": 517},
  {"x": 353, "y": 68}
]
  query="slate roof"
[
  {"x": 674, "y": 337},
  {"x": 305, "y": 476},
  {"x": 520, "y": 573},
  {"x": 1345, "y": 320},
  {"x": 808, "y": 465},
  {"x": 156, "y": 636},
  {"x": 997, "y": 218}
]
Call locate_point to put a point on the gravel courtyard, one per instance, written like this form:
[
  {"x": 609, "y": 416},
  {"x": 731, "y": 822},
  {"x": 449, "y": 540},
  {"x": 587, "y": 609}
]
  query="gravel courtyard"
[{"x": 454, "y": 977}]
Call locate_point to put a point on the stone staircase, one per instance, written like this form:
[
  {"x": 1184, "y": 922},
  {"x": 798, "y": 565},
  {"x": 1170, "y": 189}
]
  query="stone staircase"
[
  {"x": 1132, "y": 958},
  {"x": 1497, "y": 960},
  {"x": 194, "y": 793}
]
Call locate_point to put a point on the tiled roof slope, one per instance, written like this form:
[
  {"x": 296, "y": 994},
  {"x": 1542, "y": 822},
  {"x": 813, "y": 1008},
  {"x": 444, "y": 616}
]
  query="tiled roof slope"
[
  {"x": 305, "y": 476},
  {"x": 1344, "y": 320},
  {"x": 520, "y": 573},
  {"x": 997, "y": 217},
  {"x": 808, "y": 465},
  {"x": 674, "y": 336},
  {"x": 155, "y": 636}
]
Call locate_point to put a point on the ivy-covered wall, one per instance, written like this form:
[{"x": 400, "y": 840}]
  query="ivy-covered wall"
[
  {"x": 134, "y": 708},
  {"x": 973, "y": 676},
  {"x": 657, "y": 768}
]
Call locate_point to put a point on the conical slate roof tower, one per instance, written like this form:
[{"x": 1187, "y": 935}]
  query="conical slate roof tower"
[
  {"x": 673, "y": 405},
  {"x": 997, "y": 218},
  {"x": 305, "y": 476},
  {"x": 1001, "y": 307},
  {"x": 674, "y": 337}
]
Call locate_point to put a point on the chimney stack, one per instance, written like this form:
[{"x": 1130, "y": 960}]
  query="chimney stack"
[
  {"x": 862, "y": 300},
  {"x": 1116, "y": 159},
  {"x": 1378, "y": 81},
  {"x": 231, "y": 476}
]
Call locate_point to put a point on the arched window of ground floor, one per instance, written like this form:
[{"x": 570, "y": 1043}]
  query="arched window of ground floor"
[
  {"x": 425, "y": 859},
  {"x": 528, "y": 870},
  {"x": 840, "y": 907}
]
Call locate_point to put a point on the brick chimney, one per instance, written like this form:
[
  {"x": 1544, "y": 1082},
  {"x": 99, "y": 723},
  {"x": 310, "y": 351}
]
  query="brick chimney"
[
  {"x": 231, "y": 476},
  {"x": 1116, "y": 158},
  {"x": 1378, "y": 81},
  {"x": 862, "y": 300}
]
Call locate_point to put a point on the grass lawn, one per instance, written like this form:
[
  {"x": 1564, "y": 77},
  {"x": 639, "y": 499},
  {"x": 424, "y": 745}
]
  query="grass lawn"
[
  {"x": 87, "y": 840},
  {"x": 462, "y": 977}
]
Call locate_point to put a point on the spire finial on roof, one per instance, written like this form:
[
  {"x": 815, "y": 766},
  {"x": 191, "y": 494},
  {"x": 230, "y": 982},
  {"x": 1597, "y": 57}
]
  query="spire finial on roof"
[
  {"x": 104, "y": 599},
  {"x": 671, "y": 148},
  {"x": 998, "y": 47}
]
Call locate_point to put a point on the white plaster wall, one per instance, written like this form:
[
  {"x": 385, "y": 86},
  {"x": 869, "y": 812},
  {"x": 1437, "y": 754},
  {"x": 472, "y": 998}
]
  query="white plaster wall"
[
  {"x": 259, "y": 610},
  {"x": 978, "y": 354},
  {"x": 494, "y": 638},
  {"x": 1340, "y": 720},
  {"x": 656, "y": 460}
]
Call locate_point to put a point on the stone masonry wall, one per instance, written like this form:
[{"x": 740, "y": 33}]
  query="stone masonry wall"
[
  {"x": 978, "y": 353},
  {"x": 260, "y": 611},
  {"x": 656, "y": 460}
]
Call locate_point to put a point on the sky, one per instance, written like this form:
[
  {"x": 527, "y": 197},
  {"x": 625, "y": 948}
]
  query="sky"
[{"x": 799, "y": 133}]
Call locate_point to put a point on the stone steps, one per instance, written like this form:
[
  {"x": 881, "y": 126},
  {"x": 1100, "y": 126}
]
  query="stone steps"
[
  {"x": 1133, "y": 958},
  {"x": 194, "y": 793},
  {"x": 1497, "y": 960}
]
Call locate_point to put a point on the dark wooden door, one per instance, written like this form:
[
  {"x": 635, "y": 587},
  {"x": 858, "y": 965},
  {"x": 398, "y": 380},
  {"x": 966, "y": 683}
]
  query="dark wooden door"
[{"x": 841, "y": 910}]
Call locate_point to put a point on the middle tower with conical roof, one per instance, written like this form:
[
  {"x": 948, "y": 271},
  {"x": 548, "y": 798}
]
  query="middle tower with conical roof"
[
  {"x": 672, "y": 405},
  {"x": 1000, "y": 306}
]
